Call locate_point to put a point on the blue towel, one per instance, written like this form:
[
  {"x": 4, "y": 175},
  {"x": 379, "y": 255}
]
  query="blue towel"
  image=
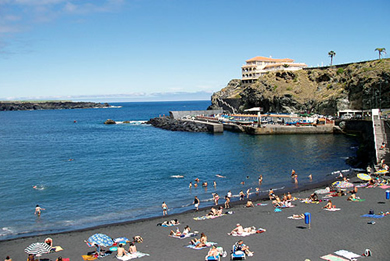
[{"x": 372, "y": 216}]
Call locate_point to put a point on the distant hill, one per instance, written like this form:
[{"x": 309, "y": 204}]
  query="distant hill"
[
  {"x": 48, "y": 105},
  {"x": 323, "y": 90}
]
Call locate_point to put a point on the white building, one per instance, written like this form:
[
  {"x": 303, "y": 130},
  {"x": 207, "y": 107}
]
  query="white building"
[{"x": 257, "y": 66}]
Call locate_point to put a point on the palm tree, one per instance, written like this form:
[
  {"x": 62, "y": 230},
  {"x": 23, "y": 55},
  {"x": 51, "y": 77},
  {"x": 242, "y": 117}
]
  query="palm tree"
[
  {"x": 380, "y": 51},
  {"x": 331, "y": 54}
]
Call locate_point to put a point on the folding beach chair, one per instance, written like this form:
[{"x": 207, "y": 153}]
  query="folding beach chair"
[{"x": 237, "y": 254}]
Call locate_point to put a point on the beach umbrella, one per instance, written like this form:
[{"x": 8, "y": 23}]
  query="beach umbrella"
[
  {"x": 383, "y": 171},
  {"x": 363, "y": 176},
  {"x": 101, "y": 240},
  {"x": 38, "y": 249},
  {"x": 342, "y": 184}
]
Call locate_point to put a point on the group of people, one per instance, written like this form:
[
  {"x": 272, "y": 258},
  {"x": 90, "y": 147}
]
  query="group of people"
[{"x": 122, "y": 251}]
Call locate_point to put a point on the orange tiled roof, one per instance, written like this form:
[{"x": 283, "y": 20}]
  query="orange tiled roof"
[{"x": 266, "y": 59}]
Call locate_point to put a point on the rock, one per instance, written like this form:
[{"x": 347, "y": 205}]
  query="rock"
[
  {"x": 49, "y": 105},
  {"x": 109, "y": 121}
]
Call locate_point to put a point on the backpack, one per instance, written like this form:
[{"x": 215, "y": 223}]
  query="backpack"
[
  {"x": 367, "y": 252},
  {"x": 371, "y": 212}
]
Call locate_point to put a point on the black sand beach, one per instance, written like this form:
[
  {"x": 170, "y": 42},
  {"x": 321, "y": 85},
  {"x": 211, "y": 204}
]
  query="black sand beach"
[{"x": 284, "y": 239}]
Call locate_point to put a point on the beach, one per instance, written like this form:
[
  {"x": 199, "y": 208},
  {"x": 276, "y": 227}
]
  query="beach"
[{"x": 284, "y": 239}]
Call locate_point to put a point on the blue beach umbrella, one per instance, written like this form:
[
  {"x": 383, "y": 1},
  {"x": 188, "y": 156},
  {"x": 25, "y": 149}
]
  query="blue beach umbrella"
[{"x": 100, "y": 240}]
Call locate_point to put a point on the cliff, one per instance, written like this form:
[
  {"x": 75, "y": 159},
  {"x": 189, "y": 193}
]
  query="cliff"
[
  {"x": 49, "y": 105},
  {"x": 323, "y": 90}
]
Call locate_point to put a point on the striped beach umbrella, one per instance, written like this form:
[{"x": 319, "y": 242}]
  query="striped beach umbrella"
[
  {"x": 363, "y": 176},
  {"x": 38, "y": 249}
]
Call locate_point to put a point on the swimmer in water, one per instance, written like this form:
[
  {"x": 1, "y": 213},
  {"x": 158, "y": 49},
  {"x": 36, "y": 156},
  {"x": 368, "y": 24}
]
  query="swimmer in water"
[
  {"x": 220, "y": 176},
  {"x": 38, "y": 210},
  {"x": 197, "y": 180}
]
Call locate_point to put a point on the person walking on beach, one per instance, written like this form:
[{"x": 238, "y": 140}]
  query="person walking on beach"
[
  {"x": 242, "y": 195},
  {"x": 38, "y": 210},
  {"x": 216, "y": 198},
  {"x": 229, "y": 194},
  {"x": 227, "y": 201},
  {"x": 165, "y": 209},
  {"x": 196, "y": 203},
  {"x": 248, "y": 192}
]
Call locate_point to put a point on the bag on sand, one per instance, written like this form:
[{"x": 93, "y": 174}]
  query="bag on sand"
[
  {"x": 367, "y": 252},
  {"x": 371, "y": 212}
]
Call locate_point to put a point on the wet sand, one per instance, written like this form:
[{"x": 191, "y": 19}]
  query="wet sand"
[{"x": 285, "y": 239}]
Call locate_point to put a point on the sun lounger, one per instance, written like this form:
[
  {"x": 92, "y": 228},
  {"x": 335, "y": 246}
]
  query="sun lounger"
[{"x": 237, "y": 254}]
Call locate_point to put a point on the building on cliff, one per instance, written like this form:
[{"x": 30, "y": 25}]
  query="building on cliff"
[{"x": 257, "y": 66}]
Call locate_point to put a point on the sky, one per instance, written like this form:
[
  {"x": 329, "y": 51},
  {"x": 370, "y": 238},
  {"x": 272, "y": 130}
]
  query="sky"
[{"x": 143, "y": 50}]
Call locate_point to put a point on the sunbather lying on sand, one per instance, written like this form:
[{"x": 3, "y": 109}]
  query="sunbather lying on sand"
[
  {"x": 213, "y": 252},
  {"x": 200, "y": 242},
  {"x": 240, "y": 246},
  {"x": 169, "y": 223},
  {"x": 249, "y": 204}
]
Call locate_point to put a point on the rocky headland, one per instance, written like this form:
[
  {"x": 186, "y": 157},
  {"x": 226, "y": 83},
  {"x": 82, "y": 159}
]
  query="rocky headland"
[
  {"x": 323, "y": 90},
  {"x": 49, "y": 105}
]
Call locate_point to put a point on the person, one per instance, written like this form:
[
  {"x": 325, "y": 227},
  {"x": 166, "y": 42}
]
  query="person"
[
  {"x": 257, "y": 191},
  {"x": 242, "y": 183},
  {"x": 177, "y": 233},
  {"x": 216, "y": 198},
  {"x": 227, "y": 201},
  {"x": 196, "y": 203},
  {"x": 289, "y": 196},
  {"x": 197, "y": 180},
  {"x": 200, "y": 242},
  {"x": 311, "y": 177},
  {"x": 215, "y": 184},
  {"x": 165, "y": 208},
  {"x": 260, "y": 180},
  {"x": 313, "y": 197},
  {"x": 38, "y": 210},
  {"x": 301, "y": 216},
  {"x": 132, "y": 248},
  {"x": 271, "y": 194},
  {"x": 30, "y": 257},
  {"x": 249, "y": 204},
  {"x": 204, "y": 184},
  {"x": 49, "y": 241},
  {"x": 121, "y": 251},
  {"x": 219, "y": 211},
  {"x": 59, "y": 258},
  {"x": 329, "y": 205},
  {"x": 242, "y": 195},
  {"x": 7, "y": 258},
  {"x": 248, "y": 192},
  {"x": 383, "y": 145},
  {"x": 353, "y": 194},
  {"x": 229, "y": 194},
  {"x": 240, "y": 246},
  {"x": 213, "y": 252},
  {"x": 237, "y": 230},
  {"x": 213, "y": 212},
  {"x": 190, "y": 186},
  {"x": 186, "y": 230},
  {"x": 292, "y": 173}
]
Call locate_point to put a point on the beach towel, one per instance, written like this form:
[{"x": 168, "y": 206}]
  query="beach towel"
[
  {"x": 347, "y": 254},
  {"x": 171, "y": 225},
  {"x": 89, "y": 257},
  {"x": 207, "y": 217},
  {"x": 358, "y": 199},
  {"x": 208, "y": 244},
  {"x": 244, "y": 234},
  {"x": 331, "y": 209},
  {"x": 372, "y": 216},
  {"x": 292, "y": 217},
  {"x": 183, "y": 236},
  {"x": 384, "y": 186},
  {"x": 132, "y": 256},
  {"x": 331, "y": 257},
  {"x": 57, "y": 248},
  {"x": 261, "y": 204}
]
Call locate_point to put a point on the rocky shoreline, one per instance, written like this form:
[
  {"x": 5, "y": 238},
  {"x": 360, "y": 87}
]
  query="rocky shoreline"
[
  {"x": 49, "y": 105},
  {"x": 168, "y": 123}
]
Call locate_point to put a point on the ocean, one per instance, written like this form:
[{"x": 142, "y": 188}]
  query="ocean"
[{"x": 87, "y": 173}]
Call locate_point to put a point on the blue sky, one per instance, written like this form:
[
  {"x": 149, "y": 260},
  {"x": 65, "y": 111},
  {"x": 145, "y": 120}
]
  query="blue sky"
[{"x": 106, "y": 50}]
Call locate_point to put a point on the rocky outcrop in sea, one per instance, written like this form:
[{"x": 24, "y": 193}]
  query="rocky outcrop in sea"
[{"x": 49, "y": 105}]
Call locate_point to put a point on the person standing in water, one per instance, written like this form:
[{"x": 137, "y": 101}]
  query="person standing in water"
[
  {"x": 196, "y": 203},
  {"x": 38, "y": 210},
  {"x": 165, "y": 209}
]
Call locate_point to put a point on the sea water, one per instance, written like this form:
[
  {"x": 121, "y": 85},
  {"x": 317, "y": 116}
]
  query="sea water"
[{"x": 87, "y": 173}]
